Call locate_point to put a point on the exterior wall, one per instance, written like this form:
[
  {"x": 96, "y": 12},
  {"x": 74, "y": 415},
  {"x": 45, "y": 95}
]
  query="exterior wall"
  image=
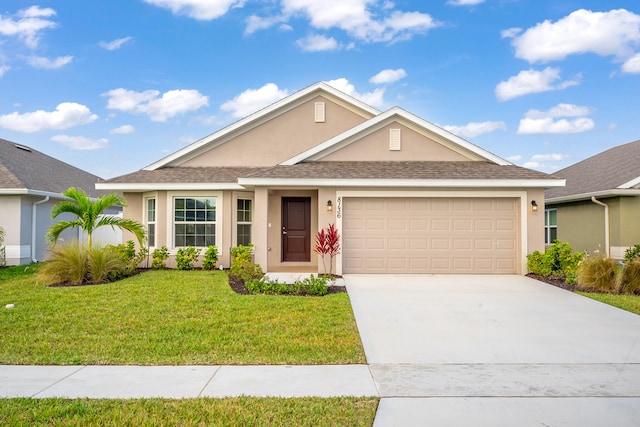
[
  {"x": 414, "y": 146},
  {"x": 10, "y": 212},
  {"x": 280, "y": 138},
  {"x": 582, "y": 224},
  {"x": 535, "y": 222}
]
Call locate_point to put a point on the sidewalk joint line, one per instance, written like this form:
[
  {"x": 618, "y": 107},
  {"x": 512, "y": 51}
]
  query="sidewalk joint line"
[{"x": 59, "y": 381}]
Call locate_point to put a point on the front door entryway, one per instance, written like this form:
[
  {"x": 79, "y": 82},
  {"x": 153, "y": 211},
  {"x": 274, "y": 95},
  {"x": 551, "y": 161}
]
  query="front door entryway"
[{"x": 296, "y": 229}]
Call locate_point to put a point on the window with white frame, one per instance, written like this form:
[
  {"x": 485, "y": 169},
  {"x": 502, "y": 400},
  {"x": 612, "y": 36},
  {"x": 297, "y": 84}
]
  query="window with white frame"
[
  {"x": 550, "y": 226},
  {"x": 151, "y": 221},
  {"x": 244, "y": 218},
  {"x": 194, "y": 221}
]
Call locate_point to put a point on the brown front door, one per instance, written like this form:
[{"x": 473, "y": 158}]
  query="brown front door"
[{"x": 296, "y": 229}]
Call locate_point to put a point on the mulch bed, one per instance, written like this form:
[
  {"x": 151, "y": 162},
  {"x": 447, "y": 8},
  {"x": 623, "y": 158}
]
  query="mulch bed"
[
  {"x": 555, "y": 281},
  {"x": 237, "y": 285}
]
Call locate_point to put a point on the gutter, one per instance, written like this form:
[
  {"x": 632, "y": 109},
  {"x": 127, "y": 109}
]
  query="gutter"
[
  {"x": 606, "y": 223},
  {"x": 33, "y": 227}
]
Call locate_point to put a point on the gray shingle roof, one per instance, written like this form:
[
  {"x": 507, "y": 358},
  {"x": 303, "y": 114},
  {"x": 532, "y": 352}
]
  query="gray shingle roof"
[
  {"x": 333, "y": 170},
  {"x": 23, "y": 167},
  {"x": 602, "y": 172},
  {"x": 423, "y": 170}
]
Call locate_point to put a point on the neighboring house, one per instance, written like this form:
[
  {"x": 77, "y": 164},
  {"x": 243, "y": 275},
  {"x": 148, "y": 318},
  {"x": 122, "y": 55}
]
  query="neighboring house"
[
  {"x": 405, "y": 195},
  {"x": 30, "y": 184},
  {"x": 599, "y": 209}
]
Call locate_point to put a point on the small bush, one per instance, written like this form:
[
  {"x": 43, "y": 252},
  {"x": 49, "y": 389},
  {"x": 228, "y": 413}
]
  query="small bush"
[
  {"x": 67, "y": 264},
  {"x": 309, "y": 286},
  {"x": 105, "y": 263},
  {"x": 210, "y": 258},
  {"x": 158, "y": 258},
  {"x": 632, "y": 253},
  {"x": 597, "y": 273},
  {"x": 131, "y": 259},
  {"x": 242, "y": 265},
  {"x": 558, "y": 260},
  {"x": 629, "y": 278},
  {"x": 187, "y": 257}
]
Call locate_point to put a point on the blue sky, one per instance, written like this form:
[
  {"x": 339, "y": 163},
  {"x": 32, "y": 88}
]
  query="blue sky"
[{"x": 114, "y": 86}]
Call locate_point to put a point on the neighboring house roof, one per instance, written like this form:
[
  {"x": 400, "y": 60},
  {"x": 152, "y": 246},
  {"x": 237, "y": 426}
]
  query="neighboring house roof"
[
  {"x": 611, "y": 173},
  {"x": 24, "y": 170}
]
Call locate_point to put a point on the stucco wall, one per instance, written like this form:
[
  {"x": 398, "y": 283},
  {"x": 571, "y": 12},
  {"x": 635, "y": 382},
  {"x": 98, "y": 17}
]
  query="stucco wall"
[{"x": 582, "y": 225}]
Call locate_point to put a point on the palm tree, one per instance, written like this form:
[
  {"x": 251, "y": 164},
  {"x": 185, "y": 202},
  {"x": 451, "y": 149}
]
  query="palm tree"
[{"x": 88, "y": 212}]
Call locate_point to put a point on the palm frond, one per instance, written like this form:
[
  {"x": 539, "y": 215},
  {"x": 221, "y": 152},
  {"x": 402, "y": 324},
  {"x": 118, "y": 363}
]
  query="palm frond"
[{"x": 56, "y": 229}]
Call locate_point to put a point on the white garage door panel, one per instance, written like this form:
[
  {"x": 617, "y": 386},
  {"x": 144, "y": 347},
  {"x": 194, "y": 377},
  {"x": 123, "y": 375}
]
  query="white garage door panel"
[{"x": 422, "y": 235}]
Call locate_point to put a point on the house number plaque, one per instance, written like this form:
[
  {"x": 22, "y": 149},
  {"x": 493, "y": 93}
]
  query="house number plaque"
[{"x": 339, "y": 207}]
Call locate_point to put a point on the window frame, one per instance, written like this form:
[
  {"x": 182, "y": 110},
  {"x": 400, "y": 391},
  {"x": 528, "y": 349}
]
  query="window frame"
[
  {"x": 151, "y": 222},
  {"x": 548, "y": 226},
  {"x": 171, "y": 222},
  {"x": 244, "y": 222}
]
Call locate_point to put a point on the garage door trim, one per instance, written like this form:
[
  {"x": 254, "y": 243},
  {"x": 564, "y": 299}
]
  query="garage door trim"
[{"x": 520, "y": 195}]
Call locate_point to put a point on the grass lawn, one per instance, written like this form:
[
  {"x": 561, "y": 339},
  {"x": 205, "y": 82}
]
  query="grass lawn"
[
  {"x": 626, "y": 302},
  {"x": 169, "y": 318},
  {"x": 243, "y": 411}
]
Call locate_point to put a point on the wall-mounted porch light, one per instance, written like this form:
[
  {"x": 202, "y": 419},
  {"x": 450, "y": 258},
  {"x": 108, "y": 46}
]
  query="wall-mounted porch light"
[
  {"x": 534, "y": 206},
  {"x": 329, "y": 205}
]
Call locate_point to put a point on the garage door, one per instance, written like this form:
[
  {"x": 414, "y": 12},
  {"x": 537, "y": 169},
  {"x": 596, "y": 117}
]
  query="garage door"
[{"x": 430, "y": 235}]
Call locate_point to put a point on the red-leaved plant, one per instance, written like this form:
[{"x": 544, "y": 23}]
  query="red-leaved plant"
[{"x": 327, "y": 243}]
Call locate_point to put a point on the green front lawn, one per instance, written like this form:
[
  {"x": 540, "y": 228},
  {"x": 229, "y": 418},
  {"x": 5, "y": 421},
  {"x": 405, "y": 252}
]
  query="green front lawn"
[
  {"x": 243, "y": 411},
  {"x": 626, "y": 302},
  {"x": 170, "y": 318}
]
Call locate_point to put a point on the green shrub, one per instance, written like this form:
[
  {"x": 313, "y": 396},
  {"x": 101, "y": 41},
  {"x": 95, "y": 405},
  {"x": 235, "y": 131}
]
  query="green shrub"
[
  {"x": 632, "y": 253},
  {"x": 105, "y": 263},
  {"x": 310, "y": 286},
  {"x": 131, "y": 259},
  {"x": 67, "y": 264},
  {"x": 187, "y": 257},
  {"x": 558, "y": 260},
  {"x": 210, "y": 258},
  {"x": 158, "y": 258},
  {"x": 629, "y": 278},
  {"x": 242, "y": 265},
  {"x": 597, "y": 273}
]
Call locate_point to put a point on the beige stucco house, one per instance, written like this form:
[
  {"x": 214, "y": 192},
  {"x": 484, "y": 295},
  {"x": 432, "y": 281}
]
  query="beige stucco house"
[
  {"x": 599, "y": 209},
  {"x": 405, "y": 195}
]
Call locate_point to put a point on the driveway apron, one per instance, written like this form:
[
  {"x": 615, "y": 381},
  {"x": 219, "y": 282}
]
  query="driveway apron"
[{"x": 448, "y": 349}]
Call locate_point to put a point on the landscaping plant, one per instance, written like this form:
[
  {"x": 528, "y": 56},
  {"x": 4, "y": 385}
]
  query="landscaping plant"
[
  {"x": 130, "y": 258},
  {"x": 310, "y": 286},
  {"x": 327, "y": 243},
  {"x": 632, "y": 253},
  {"x": 210, "y": 258},
  {"x": 559, "y": 260},
  {"x": 597, "y": 273},
  {"x": 158, "y": 258},
  {"x": 187, "y": 257},
  {"x": 242, "y": 265},
  {"x": 629, "y": 278}
]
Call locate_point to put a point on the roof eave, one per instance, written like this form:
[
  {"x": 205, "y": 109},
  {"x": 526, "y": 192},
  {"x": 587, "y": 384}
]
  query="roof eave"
[
  {"x": 396, "y": 183},
  {"x": 587, "y": 196},
  {"x": 169, "y": 186},
  {"x": 29, "y": 192}
]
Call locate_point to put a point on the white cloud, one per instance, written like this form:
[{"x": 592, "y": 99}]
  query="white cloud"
[
  {"x": 252, "y": 100},
  {"x": 317, "y": 43},
  {"x": 28, "y": 24},
  {"x": 66, "y": 115},
  {"x": 375, "y": 98},
  {"x": 515, "y": 158},
  {"x": 204, "y": 10},
  {"x": 158, "y": 108},
  {"x": 510, "y": 33},
  {"x": 115, "y": 44},
  {"x": 80, "y": 142},
  {"x": 357, "y": 19},
  {"x": 540, "y": 122},
  {"x": 532, "y": 81},
  {"x": 632, "y": 65},
  {"x": 533, "y": 165},
  {"x": 123, "y": 129},
  {"x": 49, "y": 64},
  {"x": 614, "y": 33},
  {"x": 257, "y": 23},
  {"x": 464, "y": 2},
  {"x": 388, "y": 76},
  {"x": 473, "y": 129},
  {"x": 4, "y": 69},
  {"x": 548, "y": 157}
]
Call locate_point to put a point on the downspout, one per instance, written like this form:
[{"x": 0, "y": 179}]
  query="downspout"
[
  {"x": 606, "y": 223},
  {"x": 33, "y": 227}
]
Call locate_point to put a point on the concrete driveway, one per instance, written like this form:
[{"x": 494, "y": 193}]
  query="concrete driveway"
[{"x": 495, "y": 351}]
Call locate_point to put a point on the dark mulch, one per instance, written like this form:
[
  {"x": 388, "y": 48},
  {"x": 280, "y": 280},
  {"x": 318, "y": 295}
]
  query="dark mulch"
[
  {"x": 237, "y": 285},
  {"x": 88, "y": 283},
  {"x": 558, "y": 281}
]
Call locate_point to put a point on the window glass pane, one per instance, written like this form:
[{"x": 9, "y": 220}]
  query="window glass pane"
[
  {"x": 553, "y": 217},
  {"x": 244, "y": 234},
  {"x": 151, "y": 210},
  {"x": 151, "y": 234},
  {"x": 194, "y": 221},
  {"x": 553, "y": 234},
  {"x": 180, "y": 204}
]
